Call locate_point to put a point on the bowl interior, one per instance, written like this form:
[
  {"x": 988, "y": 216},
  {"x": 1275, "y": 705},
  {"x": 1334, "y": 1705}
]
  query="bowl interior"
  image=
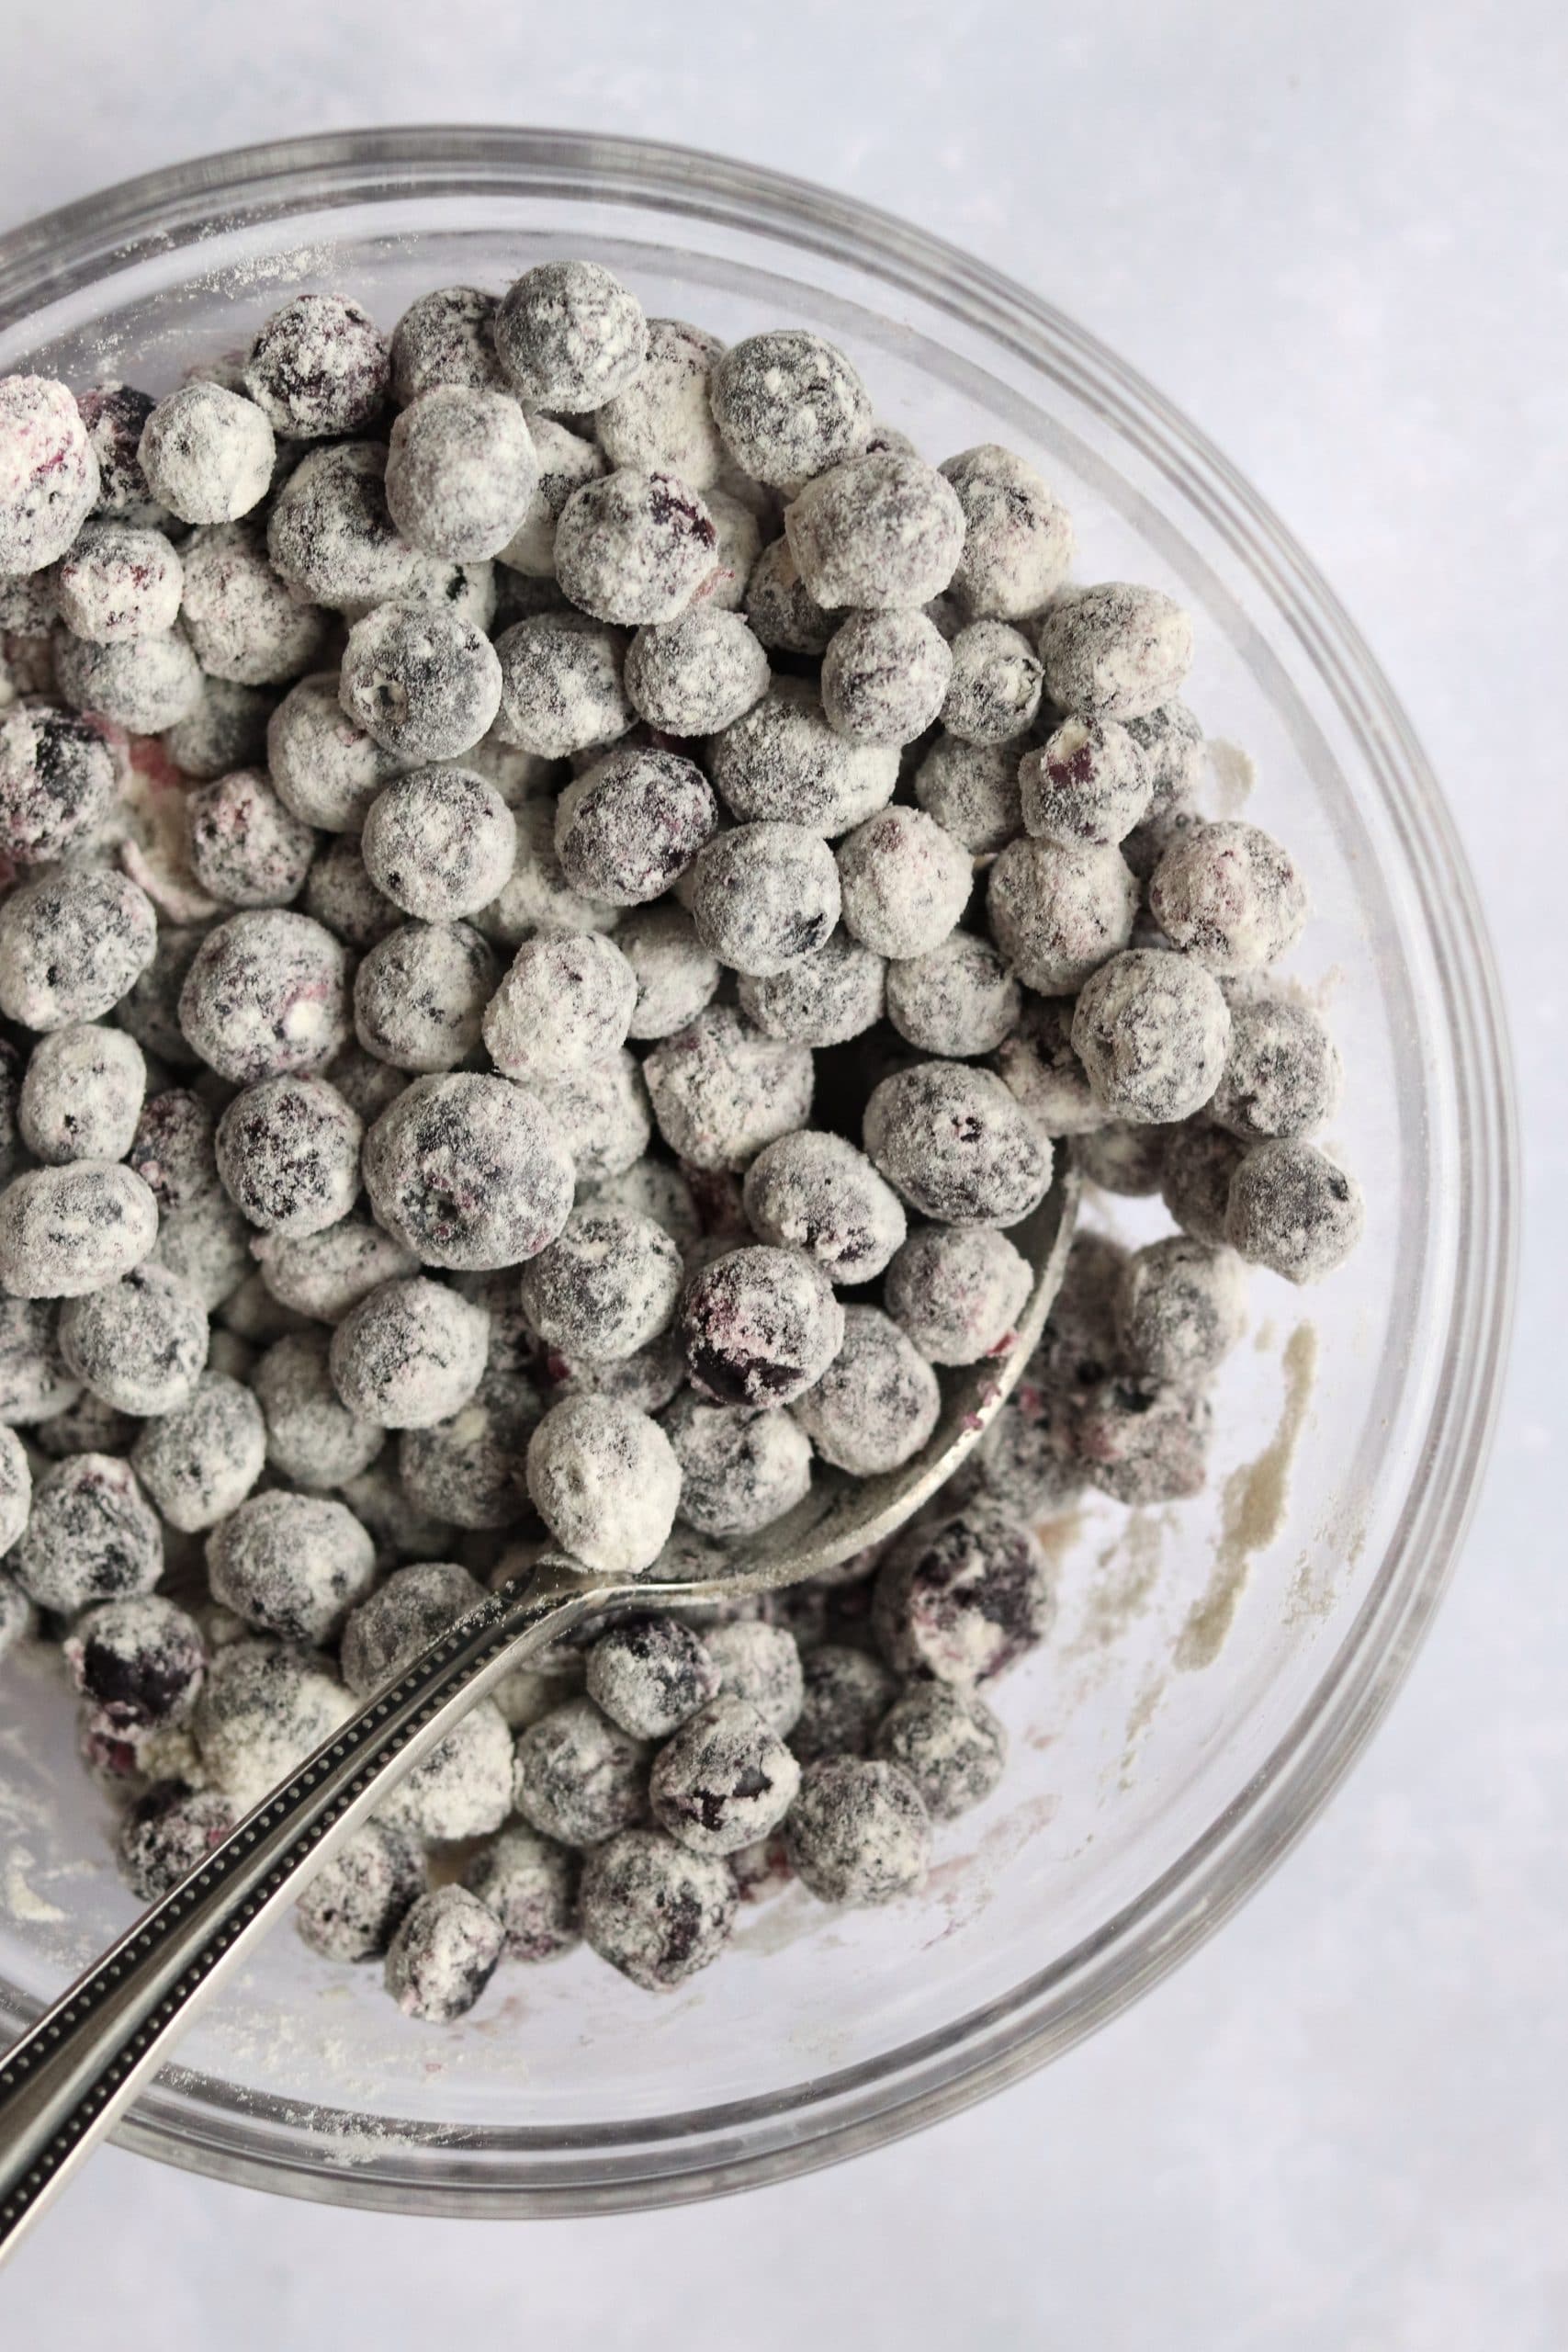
[{"x": 1213, "y": 1665}]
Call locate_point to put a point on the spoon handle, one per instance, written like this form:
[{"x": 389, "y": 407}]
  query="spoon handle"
[{"x": 64, "y": 2085}]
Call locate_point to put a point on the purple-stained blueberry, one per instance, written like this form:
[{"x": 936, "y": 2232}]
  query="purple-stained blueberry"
[
  {"x": 759, "y": 1326},
  {"x": 723, "y": 1780},
  {"x": 114, "y": 415},
  {"x": 655, "y": 1910},
  {"x": 91, "y": 1536},
  {"x": 626, "y": 830},
  {"x": 1143, "y": 1440},
  {"x": 963, "y": 1600},
  {"x": 1086, "y": 786},
  {"x": 138, "y": 1661},
  {"x": 58, "y": 780},
  {"x": 356, "y": 1902},
  {"x": 319, "y": 367},
  {"x": 246, "y": 848},
  {"x": 169, "y": 1831}
]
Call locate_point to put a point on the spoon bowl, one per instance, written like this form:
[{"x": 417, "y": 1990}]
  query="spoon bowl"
[{"x": 64, "y": 2083}]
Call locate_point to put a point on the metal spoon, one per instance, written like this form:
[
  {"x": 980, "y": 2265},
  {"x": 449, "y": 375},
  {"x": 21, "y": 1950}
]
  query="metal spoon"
[{"x": 64, "y": 2083}]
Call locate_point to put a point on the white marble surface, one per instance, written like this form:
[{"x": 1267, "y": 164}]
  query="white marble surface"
[{"x": 1334, "y": 231}]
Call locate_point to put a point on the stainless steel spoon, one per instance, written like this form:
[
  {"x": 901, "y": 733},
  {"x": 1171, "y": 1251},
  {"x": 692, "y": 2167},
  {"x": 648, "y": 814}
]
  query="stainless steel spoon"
[{"x": 64, "y": 2083}]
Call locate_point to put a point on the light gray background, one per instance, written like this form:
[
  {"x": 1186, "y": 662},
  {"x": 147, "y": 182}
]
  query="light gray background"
[{"x": 1334, "y": 231}]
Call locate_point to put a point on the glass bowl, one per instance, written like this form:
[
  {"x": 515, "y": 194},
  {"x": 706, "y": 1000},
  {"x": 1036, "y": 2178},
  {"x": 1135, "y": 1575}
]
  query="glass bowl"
[{"x": 1216, "y": 1667}]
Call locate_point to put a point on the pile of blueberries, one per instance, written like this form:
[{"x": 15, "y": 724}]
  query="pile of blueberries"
[{"x": 562, "y": 887}]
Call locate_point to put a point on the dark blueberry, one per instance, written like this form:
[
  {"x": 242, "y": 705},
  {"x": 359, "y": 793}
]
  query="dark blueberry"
[
  {"x": 168, "y": 1832},
  {"x": 319, "y": 367},
  {"x": 724, "y": 1780},
  {"x": 847, "y": 1693},
  {"x": 759, "y": 1326},
  {"x": 963, "y": 1600},
  {"x": 1143, "y": 1441},
  {"x": 649, "y": 1674},
  {"x": 114, "y": 415},
  {"x": 140, "y": 1660}
]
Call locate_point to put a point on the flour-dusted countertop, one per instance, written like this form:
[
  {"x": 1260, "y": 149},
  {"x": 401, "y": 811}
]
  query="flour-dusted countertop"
[{"x": 1334, "y": 234}]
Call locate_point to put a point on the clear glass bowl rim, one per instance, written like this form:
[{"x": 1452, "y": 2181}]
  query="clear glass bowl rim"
[{"x": 203, "y": 2124}]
